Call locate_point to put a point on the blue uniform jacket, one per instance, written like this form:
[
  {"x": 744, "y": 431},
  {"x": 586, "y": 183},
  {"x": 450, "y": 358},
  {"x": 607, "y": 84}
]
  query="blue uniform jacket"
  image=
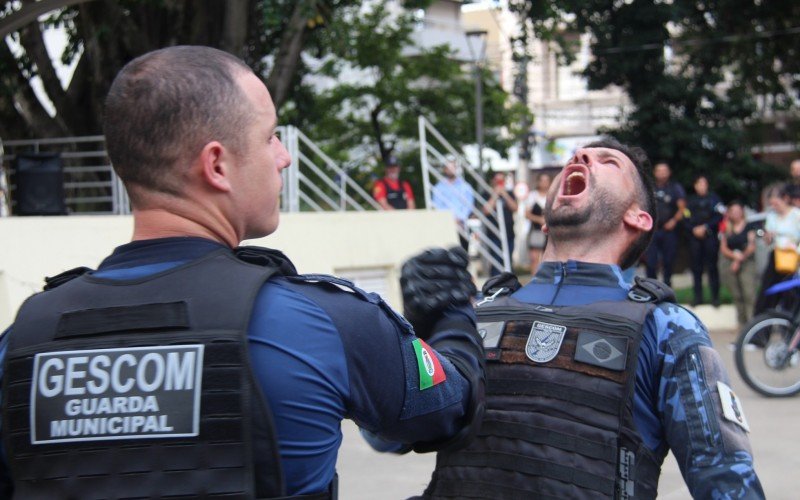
[
  {"x": 676, "y": 400},
  {"x": 322, "y": 354}
]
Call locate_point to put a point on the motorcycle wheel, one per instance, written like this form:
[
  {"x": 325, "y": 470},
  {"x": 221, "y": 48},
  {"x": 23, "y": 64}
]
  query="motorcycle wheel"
[{"x": 762, "y": 355}]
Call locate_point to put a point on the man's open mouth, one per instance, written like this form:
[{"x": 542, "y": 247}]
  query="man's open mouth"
[{"x": 574, "y": 183}]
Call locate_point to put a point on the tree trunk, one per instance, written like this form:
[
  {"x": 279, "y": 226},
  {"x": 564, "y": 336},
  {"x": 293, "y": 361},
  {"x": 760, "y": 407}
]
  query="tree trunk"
[
  {"x": 234, "y": 32},
  {"x": 288, "y": 56}
]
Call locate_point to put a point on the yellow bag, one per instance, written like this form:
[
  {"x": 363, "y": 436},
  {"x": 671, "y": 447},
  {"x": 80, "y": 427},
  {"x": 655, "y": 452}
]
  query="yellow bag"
[{"x": 785, "y": 260}]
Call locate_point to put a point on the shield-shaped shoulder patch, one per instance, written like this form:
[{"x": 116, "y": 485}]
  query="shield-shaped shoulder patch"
[{"x": 544, "y": 341}]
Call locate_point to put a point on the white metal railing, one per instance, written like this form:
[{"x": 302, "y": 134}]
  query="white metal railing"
[
  {"x": 436, "y": 150},
  {"x": 5, "y": 202},
  {"x": 316, "y": 182},
  {"x": 313, "y": 182},
  {"x": 90, "y": 184}
]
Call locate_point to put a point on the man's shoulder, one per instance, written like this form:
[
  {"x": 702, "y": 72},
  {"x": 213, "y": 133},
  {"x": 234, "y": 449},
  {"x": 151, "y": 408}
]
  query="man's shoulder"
[
  {"x": 675, "y": 324},
  {"x": 332, "y": 294},
  {"x": 322, "y": 298}
]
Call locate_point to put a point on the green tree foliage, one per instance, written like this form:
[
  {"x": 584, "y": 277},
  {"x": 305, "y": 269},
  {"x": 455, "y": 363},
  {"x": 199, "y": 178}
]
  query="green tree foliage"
[
  {"x": 381, "y": 83},
  {"x": 700, "y": 75},
  {"x": 106, "y": 34}
]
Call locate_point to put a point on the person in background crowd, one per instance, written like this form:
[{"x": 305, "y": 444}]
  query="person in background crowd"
[
  {"x": 505, "y": 197},
  {"x": 705, "y": 213},
  {"x": 391, "y": 192},
  {"x": 592, "y": 381},
  {"x": 781, "y": 230},
  {"x": 229, "y": 372},
  {"x": 534, "y": 212},
  {"x": 454, "y": 194},
  {"x": 671, "y": 202},
  {"x": 738, "y": 270},
  {"x": 794, "y": 182}
]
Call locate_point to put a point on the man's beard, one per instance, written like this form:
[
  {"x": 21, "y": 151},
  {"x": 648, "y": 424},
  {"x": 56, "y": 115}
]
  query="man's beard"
[{"x": 600, "y": 216}]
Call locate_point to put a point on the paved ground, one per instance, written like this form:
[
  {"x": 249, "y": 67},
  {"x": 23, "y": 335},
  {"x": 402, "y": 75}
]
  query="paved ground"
[{"x": 367, "y": 475}]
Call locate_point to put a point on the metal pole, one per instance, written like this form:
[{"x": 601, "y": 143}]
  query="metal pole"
[
  {"x": 5, "y": 200},
  {"x": 343, "y": 190},
  {"x": 479, "y": 114},
  {"x": 480, "y": 36},
  {"x": 294, "y": 169},
  {"x": 501, "y": 219},
  {"x": 423, "y": 155}
]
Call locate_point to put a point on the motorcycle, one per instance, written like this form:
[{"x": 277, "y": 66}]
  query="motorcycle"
[{"x": 767, "y": 354}]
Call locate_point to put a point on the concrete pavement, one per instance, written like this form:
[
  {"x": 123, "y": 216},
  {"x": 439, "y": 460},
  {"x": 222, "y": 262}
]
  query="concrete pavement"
[{"x": 367, "y": 475}]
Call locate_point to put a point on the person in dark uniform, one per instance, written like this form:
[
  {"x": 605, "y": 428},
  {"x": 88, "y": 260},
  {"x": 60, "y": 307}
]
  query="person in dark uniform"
[
  {"x": 704, "y": 215},
  {"x": 591, "y": 381},
  {"x": 670, "y": 204},
  {"x": 185, "y": 366},
  {"x": 391, "y": 192}
]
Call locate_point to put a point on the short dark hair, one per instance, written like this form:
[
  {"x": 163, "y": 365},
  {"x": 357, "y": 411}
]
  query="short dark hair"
[
  {"x": 164, "y": 106},
  {"x": 646, "y": 193}
]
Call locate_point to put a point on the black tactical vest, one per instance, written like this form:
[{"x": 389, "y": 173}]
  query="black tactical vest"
[
  {"x": 559, "y": 406},
  {"x": 395, "y": 197},
  {"x": 142, "y": 388}
]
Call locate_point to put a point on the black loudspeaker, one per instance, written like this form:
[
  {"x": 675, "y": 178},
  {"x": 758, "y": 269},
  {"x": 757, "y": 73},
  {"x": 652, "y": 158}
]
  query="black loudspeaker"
[{"x": 39, "y": 180}]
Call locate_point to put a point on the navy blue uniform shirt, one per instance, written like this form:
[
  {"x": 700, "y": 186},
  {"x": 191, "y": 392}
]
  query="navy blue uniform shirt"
[{"x": 322, "y": 353}]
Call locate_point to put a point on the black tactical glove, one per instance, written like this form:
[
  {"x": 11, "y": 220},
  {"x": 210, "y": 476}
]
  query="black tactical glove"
[{"x": 431, "y": 282}]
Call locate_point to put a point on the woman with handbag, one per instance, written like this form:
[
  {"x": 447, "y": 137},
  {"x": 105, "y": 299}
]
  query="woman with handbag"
[
  {"x": 782, "y": 233},
  {"x": 534, "y": 212}
]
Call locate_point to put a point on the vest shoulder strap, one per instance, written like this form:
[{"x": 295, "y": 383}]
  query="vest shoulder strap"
[
  {"x": 59, "y": 279},
  {"x": 266, "y": 257},
  {"x": 503, "y": 284},
  {"x": 650, "y": 290}
]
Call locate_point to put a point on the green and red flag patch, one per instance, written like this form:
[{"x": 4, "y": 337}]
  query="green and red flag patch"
[{"x": 430, "y": 369}]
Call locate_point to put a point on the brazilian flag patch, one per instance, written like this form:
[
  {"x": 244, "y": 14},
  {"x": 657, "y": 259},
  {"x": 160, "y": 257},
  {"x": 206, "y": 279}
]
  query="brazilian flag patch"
[{"x": 430, "y": 369}]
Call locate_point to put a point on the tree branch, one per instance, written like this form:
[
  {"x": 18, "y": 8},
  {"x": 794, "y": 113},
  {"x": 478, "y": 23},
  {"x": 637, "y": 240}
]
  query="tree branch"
[
  {"x": 32, "y": 41},
  {"x": 234, "y": 30},
  {"x": 378, "y": 132},
  {"x": 24, "y": 102},
  {"x": 288, "y": 56}
]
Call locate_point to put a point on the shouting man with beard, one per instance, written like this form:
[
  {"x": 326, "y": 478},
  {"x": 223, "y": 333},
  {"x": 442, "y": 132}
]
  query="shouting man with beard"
[{"x": 590, "y": 382}]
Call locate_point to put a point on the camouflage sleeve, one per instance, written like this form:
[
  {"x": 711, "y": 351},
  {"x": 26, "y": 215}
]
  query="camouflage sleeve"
[{"x": 704, "y": 424}]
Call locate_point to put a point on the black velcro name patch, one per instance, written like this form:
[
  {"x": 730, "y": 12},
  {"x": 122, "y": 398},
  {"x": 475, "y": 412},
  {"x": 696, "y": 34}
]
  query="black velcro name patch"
[{"x": 112, "y": 394}]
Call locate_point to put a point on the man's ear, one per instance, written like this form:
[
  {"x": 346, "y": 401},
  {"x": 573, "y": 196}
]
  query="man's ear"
[
  {"x": 637, "y": 219},
  {"x": 545, "y": 229},
  {"x": 215, "y": 166}
]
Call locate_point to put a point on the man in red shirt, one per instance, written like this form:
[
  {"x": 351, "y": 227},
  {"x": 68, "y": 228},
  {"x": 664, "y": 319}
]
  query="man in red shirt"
[{"x": 392, "y": 193}]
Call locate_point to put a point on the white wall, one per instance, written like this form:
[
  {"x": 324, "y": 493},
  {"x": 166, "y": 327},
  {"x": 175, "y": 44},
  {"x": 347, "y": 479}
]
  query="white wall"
[{"x": 329, "y": 243}]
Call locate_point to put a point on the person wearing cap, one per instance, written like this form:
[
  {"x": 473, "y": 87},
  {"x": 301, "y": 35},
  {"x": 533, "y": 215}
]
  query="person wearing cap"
[{"x": 392, "y": 193}]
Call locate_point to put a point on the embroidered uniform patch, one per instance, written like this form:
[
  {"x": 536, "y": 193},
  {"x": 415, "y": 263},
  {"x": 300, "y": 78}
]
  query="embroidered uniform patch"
[
  {"x": 430, "y": 369},
  {"x": 731, "y": 406},
  {"x": 544, "y": 341},
  {"x": 604, "y": 351},
  {"x": 118, "y": 393}
]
